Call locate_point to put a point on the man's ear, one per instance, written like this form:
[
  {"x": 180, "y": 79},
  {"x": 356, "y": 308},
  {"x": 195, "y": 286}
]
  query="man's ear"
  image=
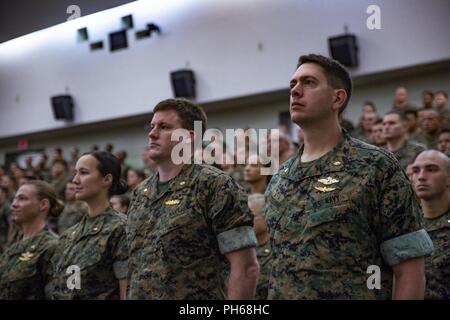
[{"x": 339, "y": 99}]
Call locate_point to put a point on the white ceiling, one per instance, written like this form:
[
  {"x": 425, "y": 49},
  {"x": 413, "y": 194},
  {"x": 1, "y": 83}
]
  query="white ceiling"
[{"x": 20, "y": 17}]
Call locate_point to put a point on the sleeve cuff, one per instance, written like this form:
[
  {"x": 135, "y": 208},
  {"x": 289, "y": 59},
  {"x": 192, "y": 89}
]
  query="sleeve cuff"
[
  {"x": 120, "y": 269},
  {"x": 407, "y": 246},
  {"x": 235, "y": 239}
]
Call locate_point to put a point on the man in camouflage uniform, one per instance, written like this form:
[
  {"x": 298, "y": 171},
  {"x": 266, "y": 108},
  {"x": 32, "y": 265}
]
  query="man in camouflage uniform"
[
  {"x": 365, "y": 131},
  {"x": 377, "y": 136},
  {"x": 431, "y": 178},
  {"x": 441, "y": 104},
  {"x": 401, "y": 100},
  {"x": 59, "y": 177},
  {"x": 74, "y": 210},
  {"x": 186, "y": 221},
  {"x": 444, "y": 141},
  {"x": 340, "y": 205},
  {"x": 397, "y": 142},
  {"x": 430, "y": 125}
]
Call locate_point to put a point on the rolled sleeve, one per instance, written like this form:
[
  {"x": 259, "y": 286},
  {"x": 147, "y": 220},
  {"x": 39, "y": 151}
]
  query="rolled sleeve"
[
  {"x": 407, "y": 246},
  {"x": 235, "y": 239},
  {"x": 120, "y": 269}
]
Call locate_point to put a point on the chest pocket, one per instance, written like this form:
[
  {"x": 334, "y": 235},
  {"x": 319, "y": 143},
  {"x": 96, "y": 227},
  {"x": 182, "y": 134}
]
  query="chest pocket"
[
  {"x": 93, "y": 253},
  {"x": 336, "y": 213},
  {"x": 24, "y": 269},
  {"x": 176, "y": 221},
  {"x": 176, "y": 212}
]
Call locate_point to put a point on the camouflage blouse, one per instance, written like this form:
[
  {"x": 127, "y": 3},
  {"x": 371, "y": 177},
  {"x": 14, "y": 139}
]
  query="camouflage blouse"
[
  {"x": 24, "y": 267},
  {"x": 178, "y": 235},
  {"x": 332, "y": 218},
  {"x": 94, "y": 251},
  {"x": 437, "y": 266}
]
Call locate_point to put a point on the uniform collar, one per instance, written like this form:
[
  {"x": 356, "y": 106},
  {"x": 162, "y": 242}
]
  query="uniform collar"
[
  {"x": 96, "y": 224},
  {"x": 31, "y": 244},
  {"x": 440, "y": 222},
  {"x": 334, "y": 161},
  {"x": 184, "y": 179}
]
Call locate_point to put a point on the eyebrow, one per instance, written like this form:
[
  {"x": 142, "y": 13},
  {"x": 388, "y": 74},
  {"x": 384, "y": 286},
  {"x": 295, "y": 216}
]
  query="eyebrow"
[{"x": 429, "y": 165}]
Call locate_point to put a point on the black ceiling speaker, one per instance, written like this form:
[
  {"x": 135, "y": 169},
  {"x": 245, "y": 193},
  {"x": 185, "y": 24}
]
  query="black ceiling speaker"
[
  {"x": 118, "y": 40},
  {"x": 62, "y": 107},
  {"x": 344, "y": 49},
  {"x": 183, "y": 84}
]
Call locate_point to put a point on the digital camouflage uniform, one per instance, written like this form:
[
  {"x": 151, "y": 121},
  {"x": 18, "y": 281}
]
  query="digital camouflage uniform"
[
  {"x": 59, "y": 184},
  {"x": 330, "y": 219},
  {"x": 408, "y": 152},
  {"x": 4, "y": 225},
  {"x": 437, "y": 266},
  {"x": 431, "y": 141},
  {"x": 25, "y": 269},
  {"x": 178, "y": 237},
  {"x": 16, "y": 234},
  {"x": 262, "y": 287},
  {"x": 97, "y": 245},
  {"x": 445, "y": 116},
  {"x": 72, "y": 214}
]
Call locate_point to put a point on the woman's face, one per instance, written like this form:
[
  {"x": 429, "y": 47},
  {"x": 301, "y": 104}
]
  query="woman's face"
[
  {"x": 88, "y": 180},
  {"x": 26, "y": 206}
]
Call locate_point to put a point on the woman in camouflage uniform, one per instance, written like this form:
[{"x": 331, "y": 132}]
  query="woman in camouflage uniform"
[
  {"x": 24, "y": 267},
  {"x": 91, "y": 261}
]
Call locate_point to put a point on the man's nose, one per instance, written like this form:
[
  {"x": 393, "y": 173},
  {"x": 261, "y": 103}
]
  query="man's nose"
[
  {"x": 153, "y": 133},
  {"x": 296, "y": 90}
]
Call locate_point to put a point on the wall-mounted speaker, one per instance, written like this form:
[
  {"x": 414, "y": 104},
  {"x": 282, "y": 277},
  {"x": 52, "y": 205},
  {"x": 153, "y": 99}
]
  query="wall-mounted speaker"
[
  {"x": 118, "y": 40},
  {"x": 183, "y": 83},
  {"x": 62, "y": 107},
  {"x": 344, "y": 49},
  {"x": 127, "y": 22}
]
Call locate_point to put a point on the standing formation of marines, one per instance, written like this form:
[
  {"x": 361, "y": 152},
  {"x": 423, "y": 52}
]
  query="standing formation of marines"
[{"x": 337, "y": 207}]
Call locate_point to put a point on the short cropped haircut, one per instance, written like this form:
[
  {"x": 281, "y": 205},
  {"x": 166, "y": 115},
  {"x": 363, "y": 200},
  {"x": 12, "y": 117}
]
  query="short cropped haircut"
[
  {"x": 410, "y": 111},
  {"x": 441, "y": 92},
  {"x": 187, "y": 111},
  {"x": 371, "y": 104},
  {"x": 379, "y": 121},
  {"x": 336, "y": 74},
  {"x": 400, "y": 114}
]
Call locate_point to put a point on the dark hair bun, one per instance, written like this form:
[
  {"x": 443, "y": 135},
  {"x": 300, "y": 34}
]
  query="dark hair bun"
[
  {"x": 119, "y": 187},
  {"x": 56, "y": 209}
]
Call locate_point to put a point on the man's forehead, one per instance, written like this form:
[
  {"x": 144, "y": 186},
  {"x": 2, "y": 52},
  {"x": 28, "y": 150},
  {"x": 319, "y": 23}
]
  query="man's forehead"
[
  {"x": 428, "y": 160},
  {"x": 430, "y": 114},
  {"x": 165, "y": 115},
  {"x": 309, "y": 69},
  {"x": 391, "y": 117}
]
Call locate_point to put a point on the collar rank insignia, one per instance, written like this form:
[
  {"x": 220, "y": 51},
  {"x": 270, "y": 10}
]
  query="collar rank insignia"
[
  {"x": 328, "y": 181},
  {"x": 26, "y": 256},
  {"x": 324, "y": 189},
  {"x": 172, "y": 202}
]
